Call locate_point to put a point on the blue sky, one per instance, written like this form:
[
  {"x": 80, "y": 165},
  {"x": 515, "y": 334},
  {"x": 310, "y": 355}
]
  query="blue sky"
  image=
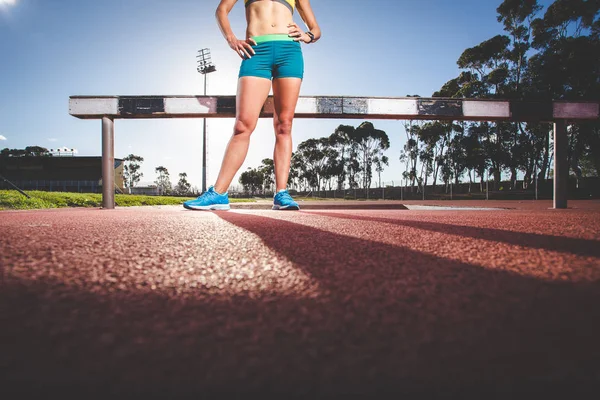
[{"x": 53, "y": 49}]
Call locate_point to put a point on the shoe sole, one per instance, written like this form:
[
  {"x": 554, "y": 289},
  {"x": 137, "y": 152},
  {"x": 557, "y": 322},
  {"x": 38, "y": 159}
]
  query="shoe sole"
[
  {"x": 214, "y": 207},
  {"x": 294, "y": 208}
]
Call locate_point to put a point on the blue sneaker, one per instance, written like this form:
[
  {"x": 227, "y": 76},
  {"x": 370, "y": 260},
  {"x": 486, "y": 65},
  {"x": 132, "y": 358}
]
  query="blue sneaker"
[
  {"x": 209, "y": 200},
  {"x": 283, "y": 201}
]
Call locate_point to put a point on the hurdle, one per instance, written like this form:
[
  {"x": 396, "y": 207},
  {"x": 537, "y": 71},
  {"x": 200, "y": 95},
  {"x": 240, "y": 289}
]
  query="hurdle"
[{"x": 560, "y": 113}]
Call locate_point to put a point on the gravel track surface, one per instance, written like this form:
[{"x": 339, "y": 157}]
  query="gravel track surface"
[{"x": 168, "y": 303}]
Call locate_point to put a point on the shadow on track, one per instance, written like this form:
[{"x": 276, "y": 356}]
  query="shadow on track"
[
  {"x": 583, "y": 247},
  {"x": 388, "y": 320}
]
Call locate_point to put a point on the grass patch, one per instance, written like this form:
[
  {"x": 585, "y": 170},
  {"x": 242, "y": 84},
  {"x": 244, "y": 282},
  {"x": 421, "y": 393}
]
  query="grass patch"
[{"x": 13, "y": 200}]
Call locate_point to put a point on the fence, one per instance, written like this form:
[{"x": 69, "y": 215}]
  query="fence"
[{"x": 585, "y": 188}]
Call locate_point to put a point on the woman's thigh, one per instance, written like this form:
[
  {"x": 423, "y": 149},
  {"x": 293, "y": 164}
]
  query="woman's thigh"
[
  {"x": 251, "y": 95},
  {"x": 285, "y": 96}
]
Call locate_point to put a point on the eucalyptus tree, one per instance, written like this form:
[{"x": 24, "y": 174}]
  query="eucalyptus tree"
[
  {"x": 370, "y": 143},
  {"x": 316, "y": 155},
  {"x": 434, "y": 136},
  {"x": 500, "y": 64},
  {"x": 481, "y": 148},
  {"x": 340, "y": 140},
  {"x": 456, "y": 158},
  {"x": 333, "y": 170},
  {"x": 163, "y": 181},
  {"x": 517, "y": 16},
  {"x": 267, "y": 168},
  {"x": 410, "y": 151},
  {"x": 486, "y": 65},
  {"x": 251, "y": 180},
  {"x": 296, "y": 169},
  {"x": 131, "y": 170},
  {"x": 183, "y": 187},
  {"x": 379, "y": 162},
  {"x": 567, "y": 66},
  {"x": 467, "y": 84}
]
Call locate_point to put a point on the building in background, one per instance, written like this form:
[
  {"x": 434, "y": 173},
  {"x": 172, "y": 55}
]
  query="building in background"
[
  {"x": 58, "y": 174},
  {"x": 150, "y": 190}
]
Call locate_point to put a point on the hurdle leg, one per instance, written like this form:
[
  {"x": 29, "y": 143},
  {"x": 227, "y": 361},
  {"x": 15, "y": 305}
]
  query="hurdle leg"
[
  {"x": 108, "y": 163},
  {"x": 561, "y": 169}
]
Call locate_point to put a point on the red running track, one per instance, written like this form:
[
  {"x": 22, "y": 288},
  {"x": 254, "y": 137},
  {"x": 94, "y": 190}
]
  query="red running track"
[{"x": 168, "y": 303}]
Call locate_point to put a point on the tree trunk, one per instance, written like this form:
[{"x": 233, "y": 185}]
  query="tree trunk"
[
  {"x": 527, "y": 177},
  {"x": 546, "y": 160},
  {"x": 470, "y": 179},
  {"x": 497, "y": 178},
  {"x": 497, "y": 162},
  {"x": 578, "y": 149},
  {"x": 513, "y": 178},
  {"x": 482, "y": 179}
]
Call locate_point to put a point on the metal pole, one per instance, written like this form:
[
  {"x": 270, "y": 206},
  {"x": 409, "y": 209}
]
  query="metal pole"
[
  {"x": 561, "y": 169},
  {"x": 204, "y": 146},
  {"x": 108, "y": 163},
  {"x": 15, "y": 187}
]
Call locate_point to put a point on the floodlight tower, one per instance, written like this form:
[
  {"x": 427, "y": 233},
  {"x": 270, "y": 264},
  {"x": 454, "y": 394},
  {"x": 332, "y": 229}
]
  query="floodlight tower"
[{"x": 205, "y": 66}]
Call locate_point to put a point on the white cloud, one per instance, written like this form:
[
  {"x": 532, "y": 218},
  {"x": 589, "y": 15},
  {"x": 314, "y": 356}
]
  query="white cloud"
[
  {"x": 50, "y": 139},
  {"x": 3, "y": 137},
  {"x": 8, "y": 2}
]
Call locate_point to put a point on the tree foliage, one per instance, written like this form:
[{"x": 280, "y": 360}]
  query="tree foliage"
[
  {"x": 29, "y": 151},
  {"x": 346, "y": 158},
  {"x": 131, "y": 170},
  {"x": 551, "y": 54},
  {"x": 163, "y": 181},
  {"x": 183, "y": 187},
  {"x": 252, "y": 181}
]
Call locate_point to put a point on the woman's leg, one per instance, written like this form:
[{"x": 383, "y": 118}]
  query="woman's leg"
[
  {"x": 251, "y": 95},
  {"x": 285, "y": 97}
]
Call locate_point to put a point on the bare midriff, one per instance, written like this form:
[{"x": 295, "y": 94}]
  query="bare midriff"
[{"x": 267, "y": 17}]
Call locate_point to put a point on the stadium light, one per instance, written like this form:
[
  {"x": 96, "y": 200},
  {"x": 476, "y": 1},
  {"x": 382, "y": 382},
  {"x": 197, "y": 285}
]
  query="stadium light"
[{"x": 205, "y": 66}]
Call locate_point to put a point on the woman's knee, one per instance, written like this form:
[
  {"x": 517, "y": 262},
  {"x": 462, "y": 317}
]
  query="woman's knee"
[
  {"x": 283, "y": 124},
  {"x": 243, "y": 127}
]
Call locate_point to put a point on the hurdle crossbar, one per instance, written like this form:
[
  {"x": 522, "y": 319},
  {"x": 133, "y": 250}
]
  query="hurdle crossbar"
[{"x": 109, "y": 108}]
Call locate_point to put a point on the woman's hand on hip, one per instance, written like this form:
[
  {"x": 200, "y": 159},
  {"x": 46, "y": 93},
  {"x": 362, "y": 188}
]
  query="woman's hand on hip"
[
  {"x": 297, "y": 33},
  {"x": 243, "y": 47}
]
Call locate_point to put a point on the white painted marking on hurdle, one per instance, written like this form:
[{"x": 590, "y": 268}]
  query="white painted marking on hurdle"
[
  {"x": 96, "y": 106},
  {"x": 493, "y": 109},
  {"x": 306, "y": 105},
  {"x": 576, "y": 110},
  {"x": 392, "y": 106},
  {"x": 187, "y": 105}
]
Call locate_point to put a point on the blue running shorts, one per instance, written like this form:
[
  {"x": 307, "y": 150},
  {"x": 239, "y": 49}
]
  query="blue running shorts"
[{"x": 276, "y": 56}]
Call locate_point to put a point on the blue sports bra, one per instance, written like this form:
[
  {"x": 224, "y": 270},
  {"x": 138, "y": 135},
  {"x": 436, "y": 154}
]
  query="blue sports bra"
[{"x": 291, "y": 4}]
